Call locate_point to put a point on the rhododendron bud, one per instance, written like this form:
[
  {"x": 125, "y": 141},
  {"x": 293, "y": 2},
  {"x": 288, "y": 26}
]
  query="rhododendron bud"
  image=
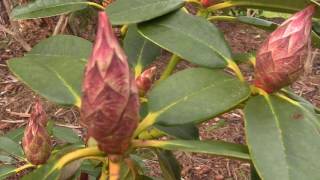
[
  {"x": 145, "y": 80},
  {"x": 36, "y": 141},
  {"x": 110, "y": 102},
  {"x": 207, "y": 3},
  {"x": 282, "y": 56}
]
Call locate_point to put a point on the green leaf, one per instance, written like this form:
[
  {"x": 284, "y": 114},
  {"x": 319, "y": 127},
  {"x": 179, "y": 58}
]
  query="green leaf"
[
  {"x": 185, "y": 131},
  {"x": 287, "y": 6},
  {"x": 207, "y": 94},
  {"x": 169, "y": 165},
  {"x": 218, "y": 148},
  {"x": 66, "y": 134},
  {"x": 11, "y": 147},
  {"x": 6, "y": 171},
  {"x": 240, "y": 58},
  {"x": 47, "y": 8},
  {"x": 54, "y": 68},
  {"x": 190, "y": 37},
  {"x": 257, "y": 22},
  {"x": 136, "y": 11},
  {"x": 16, "y": 134},
  {"x": 283, "y": 138},
  {"x": 139, "y": 50},
  {"x": 6, "y": 159}
]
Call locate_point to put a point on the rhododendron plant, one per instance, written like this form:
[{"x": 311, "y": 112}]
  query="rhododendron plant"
[{"x": 125, "y": 113}]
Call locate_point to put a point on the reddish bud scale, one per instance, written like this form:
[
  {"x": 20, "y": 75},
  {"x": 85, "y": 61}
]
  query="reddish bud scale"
[
  {"x": 145, "y": 80},
  {"x": 110, "y": 102},
  {"x": 282, "y": 56},
  {"x": 208, "y": 3},
  {"x": 36, "y": 141}
]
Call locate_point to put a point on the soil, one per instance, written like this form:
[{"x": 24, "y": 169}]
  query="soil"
[{"x": 16, "y": 99}]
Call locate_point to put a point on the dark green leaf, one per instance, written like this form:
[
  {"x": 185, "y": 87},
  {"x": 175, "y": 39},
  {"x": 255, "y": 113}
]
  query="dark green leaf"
[
  {"x": 274, "y": 5},
  {"x": 209, "y": 147},
  {"x": 283, "y": 138},
  {"x": 6, "y": 159},
  {"x": 190, "y": 37},
  {"x": 170, "y": 167},
  {"x": 6, "y": 171},
  {"x": 46, "y": 8},
  {"x": 139, "y": 50},
  {"x": 136, "y": 11},
  {"x": 11, "y": 147},
  {"x": 54, "y": 68},
  {"x": 185, "y": 131},
  {"x": 66, "y": 134},
  {"x": 208, "y": 93},
  {"x": 16, "y": 134}
]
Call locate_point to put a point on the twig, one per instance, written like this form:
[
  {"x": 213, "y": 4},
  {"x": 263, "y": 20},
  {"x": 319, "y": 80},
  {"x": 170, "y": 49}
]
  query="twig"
[
  {"x": 13, "y": 121},
  {"x": 69, "y": 126},
  {"x": 15, "y": 33},
  {"x": 59, "y": 25}
]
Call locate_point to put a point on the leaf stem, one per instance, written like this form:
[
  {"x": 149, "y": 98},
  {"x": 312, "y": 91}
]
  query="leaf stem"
[
  {"x": 26, "y": 166},
  {"x": 124, "y": 30},
  {"x": 77, "y": 154},
  {"x": 98, "y": 6},
  {"x": 114, "y": 169},
  {"x": 170, "y": 67},
  {"x": 104, "y": 171},
  {"x": 232, "y": 65},
  {"x": 222, "y": 18},
  {"x": 193, "y": 1},
  {"x": 145, "y": 123}
]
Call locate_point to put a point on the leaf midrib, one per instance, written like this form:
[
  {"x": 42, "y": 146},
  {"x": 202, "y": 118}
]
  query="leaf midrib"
[
  {"x": 184, "y": 98},
  {"x": 37, "y": 8},
  {"x": 278, "y": 124},
  {"x": 196, "y": 39},
  {"x": 142, "y": 7}
]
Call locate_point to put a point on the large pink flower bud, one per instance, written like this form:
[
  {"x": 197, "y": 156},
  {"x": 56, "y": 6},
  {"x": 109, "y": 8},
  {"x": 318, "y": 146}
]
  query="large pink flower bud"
[
  {"x": 36, "y": 141},
  {"x": 145, "y": 80},
  {"x": 110, "y": 102},
  {"x": 282, "y": 56}
]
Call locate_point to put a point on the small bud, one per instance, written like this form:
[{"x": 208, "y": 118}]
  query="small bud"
[
  {"x": 145, "y": 80},
  {"x": 36, "y": 141},
  {"x": 282, "y": 56},
  {"x": 110, "y": 102},
  {"x": 208, "y": 3}
]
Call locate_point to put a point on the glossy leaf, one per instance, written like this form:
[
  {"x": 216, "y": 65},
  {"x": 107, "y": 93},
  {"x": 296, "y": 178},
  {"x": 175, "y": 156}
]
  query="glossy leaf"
[
  {"x": 16, "y": 134},
  {"x": 283, "y": 139},
  {"x": 66, "y": 134},
  {"x": 53, "y": 168},
  {"x": 54, "y": 68},
  {"x": 274, "y": 5},
  {"x": 200, "y": 43},
  {"x": 10, "y": 147},
  {"x": 6, "y": 159},
  {"x": 218, "y": 148},
  {"x": 136, "y": 11},
  {"x": 260, "y": 23},
  {"x": 208, "y": 93},
  {"x": 185, "y": 131},
  {"x": 140, "y": 51},
  {"x": 47, "y": 8},
  {"x": 6, "y": 170},
  {"x": 170, "y": 167}
]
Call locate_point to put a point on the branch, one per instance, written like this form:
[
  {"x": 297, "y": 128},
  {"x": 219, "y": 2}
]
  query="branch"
[{"x": 15, "y": 33}]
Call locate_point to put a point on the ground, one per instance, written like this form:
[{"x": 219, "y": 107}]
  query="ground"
[{"x": 16, "y": 99}]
